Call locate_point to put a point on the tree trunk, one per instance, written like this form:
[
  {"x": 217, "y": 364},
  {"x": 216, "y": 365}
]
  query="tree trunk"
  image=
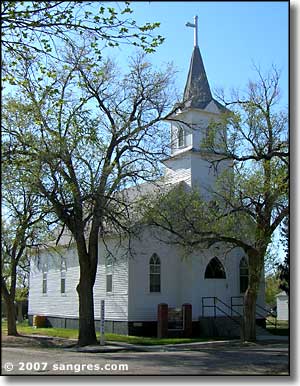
[
  {"x": 87, "y": 331},
  {"x": 20, "y": 311},
  {"x": 11, "y": 317},
  {"x": 256, "y": 258},
  {"x": 250, "y": 316}
]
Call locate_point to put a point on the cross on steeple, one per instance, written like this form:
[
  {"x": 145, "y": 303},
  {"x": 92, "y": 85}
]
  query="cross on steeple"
[{"x": 194, "y": 25}]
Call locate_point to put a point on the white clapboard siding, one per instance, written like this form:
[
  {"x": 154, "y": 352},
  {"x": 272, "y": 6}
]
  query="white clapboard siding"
[
  {"x": 143, "y": 303},
  {"x": 116, "y": 302},
  {"x": 54, "y": 303},
  {"x": 282, "y": 306}
]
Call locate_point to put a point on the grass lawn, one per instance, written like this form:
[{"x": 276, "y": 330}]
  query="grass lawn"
[{"x": 24, "y": 329}]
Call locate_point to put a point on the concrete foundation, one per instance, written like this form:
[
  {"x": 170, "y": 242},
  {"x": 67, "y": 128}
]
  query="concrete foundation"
[{"x": 204, "y": 327}]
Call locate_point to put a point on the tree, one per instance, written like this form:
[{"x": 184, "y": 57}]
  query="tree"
[
  {"x": 41, "y": 27},
  {"x": 284, "y": 267},
  {"x": 250, "y": 197},
  {"x": 21, "y": 229},
  {"x": 91, "y": 136}
]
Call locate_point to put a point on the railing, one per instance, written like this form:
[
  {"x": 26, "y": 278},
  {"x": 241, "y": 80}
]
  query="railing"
[
  {"x": 264, "y": 316},
  {"x": 241, "y": 298},
  {"x": 239, "y": 321},
  {"x": 216, "y": 307}
]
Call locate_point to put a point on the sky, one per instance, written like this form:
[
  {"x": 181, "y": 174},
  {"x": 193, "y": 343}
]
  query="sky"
[{"x": 233, "y": 35}]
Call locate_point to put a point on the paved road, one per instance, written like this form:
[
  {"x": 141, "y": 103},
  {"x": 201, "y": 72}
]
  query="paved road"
[{"x": 271, "y": 359}]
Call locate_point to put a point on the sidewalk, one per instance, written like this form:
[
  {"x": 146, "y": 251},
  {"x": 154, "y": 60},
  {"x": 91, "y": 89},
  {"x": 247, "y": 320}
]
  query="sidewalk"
[
  {"x": 121, "y": 346},
  {"x": 112, "y": 346}
]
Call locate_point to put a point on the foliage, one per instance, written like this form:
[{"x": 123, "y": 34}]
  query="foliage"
[
  {"x": 90, "y": 138},
  {"x": 272, "y": 289},
  {"x": 40, "y": 29},
  {"x": 284, "y": 267},
  {"x": 90, "y": 131},
  {"x": 21, "y": 230}
]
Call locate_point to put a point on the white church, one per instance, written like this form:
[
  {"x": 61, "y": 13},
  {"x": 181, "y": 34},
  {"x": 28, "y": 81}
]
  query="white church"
[{"x": 213, "y": 281}]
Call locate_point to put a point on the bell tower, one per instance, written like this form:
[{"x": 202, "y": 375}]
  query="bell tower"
[{"x": 190, "y": 125}]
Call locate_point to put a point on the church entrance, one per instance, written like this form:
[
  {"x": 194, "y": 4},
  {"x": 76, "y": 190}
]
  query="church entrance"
[{"x": 216, "y": 301}]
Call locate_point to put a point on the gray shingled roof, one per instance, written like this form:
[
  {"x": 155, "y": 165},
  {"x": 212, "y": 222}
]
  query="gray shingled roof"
[{"x": 197, "y": 92}]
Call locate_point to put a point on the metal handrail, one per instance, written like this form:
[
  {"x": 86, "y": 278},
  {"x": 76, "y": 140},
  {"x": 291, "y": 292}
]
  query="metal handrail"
[
  {"x": 265, "y": 316},
  {"x": 229, "y": 307},
  {"x": 216, "y": 299},
  {"x": 215, "y": 306},
  {"x": 237, "y": 305},
  {"x": 230, "y": 317},
  {"x": 256, "y": 312}
]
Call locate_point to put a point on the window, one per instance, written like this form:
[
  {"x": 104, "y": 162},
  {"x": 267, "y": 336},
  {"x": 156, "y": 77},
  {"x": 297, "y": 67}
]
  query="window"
[
  {"x": 63, "y": 269},
  {"x": 154, "y": 273},
  {"x": 109, "y": 267},
  {"x": 215, "y": 270},
  {"x": 244, "y": 275},
  {"x": 44, "y": 282},
  {"x": 181, "y": 137},
  {"x": 63, "y": 282},
  {"x": 109, "y": 283}
]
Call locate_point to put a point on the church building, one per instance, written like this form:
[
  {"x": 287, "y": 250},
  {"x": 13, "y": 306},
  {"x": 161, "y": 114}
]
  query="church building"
[{"x": 212, "y": 281}]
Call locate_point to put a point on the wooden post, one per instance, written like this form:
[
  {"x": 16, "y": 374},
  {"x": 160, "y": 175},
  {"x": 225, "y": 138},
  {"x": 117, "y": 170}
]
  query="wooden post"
[
  {"x": 187, "y": 319},
  {"x": 162, "y": 320},
  {"x": 102, "y": 323}
]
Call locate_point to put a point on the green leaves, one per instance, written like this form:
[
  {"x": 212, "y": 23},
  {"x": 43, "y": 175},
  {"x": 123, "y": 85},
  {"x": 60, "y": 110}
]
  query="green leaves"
[{"x": 42, "y": 29}]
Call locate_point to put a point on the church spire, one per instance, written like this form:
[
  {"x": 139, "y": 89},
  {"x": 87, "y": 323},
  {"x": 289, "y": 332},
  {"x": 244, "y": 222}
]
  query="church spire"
[{"x": 197, "y": 91}]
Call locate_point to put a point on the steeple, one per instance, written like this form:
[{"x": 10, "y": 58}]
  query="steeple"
[
  {"x": 190, "y": 124},
  {"x": 197, "y": 92}
]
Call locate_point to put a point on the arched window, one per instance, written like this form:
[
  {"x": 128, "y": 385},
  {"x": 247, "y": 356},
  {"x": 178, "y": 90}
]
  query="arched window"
[
  {"x": 181, "y": 137},
  {"x": 244, "y": 275},
  {"x": 215, "y": 270},
  {"x": 154, "y": 264}
]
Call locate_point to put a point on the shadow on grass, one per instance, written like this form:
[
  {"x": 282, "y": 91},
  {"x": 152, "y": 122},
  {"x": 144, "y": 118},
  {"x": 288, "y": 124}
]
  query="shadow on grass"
[
  {"x": 36, "y": 341},
  {"x": 278, "y": 331}
]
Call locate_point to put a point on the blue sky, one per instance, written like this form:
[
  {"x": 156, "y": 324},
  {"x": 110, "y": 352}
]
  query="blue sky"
[{"x": 232, "y": 36}]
